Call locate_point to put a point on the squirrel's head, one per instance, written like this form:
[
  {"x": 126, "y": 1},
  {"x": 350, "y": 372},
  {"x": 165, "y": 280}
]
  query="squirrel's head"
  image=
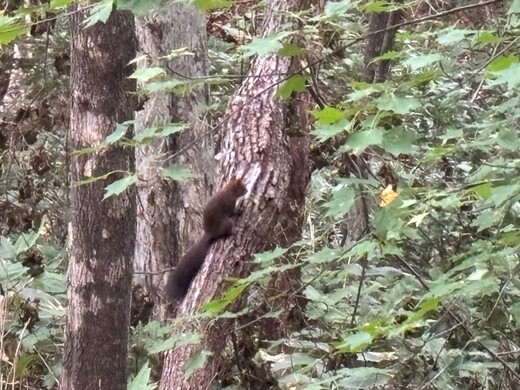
[{"x": 237, "y": 187}]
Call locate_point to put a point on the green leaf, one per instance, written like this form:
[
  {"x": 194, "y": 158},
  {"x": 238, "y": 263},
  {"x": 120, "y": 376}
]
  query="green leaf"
[
  {"x": 266, "y": 257},
  {"x": 289, "y": 361},
  {"x": 55, "y": 4},
  {"x": 425, "y": 307},
  {"x": 206, "y": 5},
  {"x": 509, "y": 76},
  {"x": 295, "y": 83},
  {"x": 324, "y": 255},
  {"x": 354, "y": 343},
  {"x": 328, "y": 115},
  {"x": 151, "y": 133},
  {"x": 100, "y": 12},
  {"x": 515, "y": 312},
  {"x": 486, "y": 37},
  {"x": 325, "y": 131},
  {"x": 195, "y": 362},
  {"x": 486, "y": 219},
  {"x": 50, "y": 283},
  {"x": 26, "y": 241},
  {"x": 500, "y": 194},
  {"x": 118, "y": 133},
  {"x": 389, "y": 55},
  {"x": 138, "y": 7},
  {"x": 140, "y": 381},
  {"x": 7, "y": 250},
  {"x": 508, "y": 139},
  {"x": 177, "y": 172},
  {"x": 436, "y": 153},
  {"x": 452, "y": 134},
  {"x": 23, "y": 364},
  {"x": 422, "y": 61},
  {"x": 362, "y": 378},
  {"x": 396, "y": 104},
  {"x": 10, "y": 28},
  {"x": 501, "y": 63},
  {"x": 361, "y": 140},
  {"x": 514, "y": 8},
  {"x": 483, "y": 190},
  {"x": 145, "y": 74},
  {"x": 263, "y": 46},
  {"x": 398, "y": 140},
  {"x": 342, "y": 199},
  {"x": 120, "y": 186},
  {"x": 337, "y": 8},
  {"x": 451, "y": 36},
  {"x": 291, "y": 50},
  {"x": 377, "y": 6}
]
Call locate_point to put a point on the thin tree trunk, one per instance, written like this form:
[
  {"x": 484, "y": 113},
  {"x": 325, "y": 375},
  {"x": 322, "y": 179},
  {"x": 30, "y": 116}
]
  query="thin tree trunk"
[
  {"x": 169, "y": 215},
  {"x": 265, "y": 144},
  {"x": 101, "y": 231},
  {"x": 379, "y": 44}
]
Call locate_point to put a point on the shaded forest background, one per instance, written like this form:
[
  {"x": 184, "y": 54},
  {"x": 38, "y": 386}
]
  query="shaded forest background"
[{"x": 408, "y": 262}]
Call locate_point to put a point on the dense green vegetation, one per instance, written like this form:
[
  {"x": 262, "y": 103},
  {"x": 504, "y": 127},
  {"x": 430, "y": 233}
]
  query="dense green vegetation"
[{"x": 427, "y": 298}]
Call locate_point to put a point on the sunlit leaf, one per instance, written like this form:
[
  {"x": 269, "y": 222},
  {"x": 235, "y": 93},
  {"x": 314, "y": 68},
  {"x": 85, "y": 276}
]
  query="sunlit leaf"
[
  {"x": 145, "y": 74},
  {"x": 328, "y": 115},
  {"x": 10, "y": 28},
  {"x": 501, "y": 63},
  {"x": 355, "y": 342},
  {"x": 206, "y": 5},
  {"x": 100, "y": 12},
  {"x": 295, "y": 83},
  {"x": 120, "y": 186}
]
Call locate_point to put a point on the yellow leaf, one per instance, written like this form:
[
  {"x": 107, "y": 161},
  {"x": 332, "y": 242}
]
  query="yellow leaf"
[{"x": 387, "y": 196}]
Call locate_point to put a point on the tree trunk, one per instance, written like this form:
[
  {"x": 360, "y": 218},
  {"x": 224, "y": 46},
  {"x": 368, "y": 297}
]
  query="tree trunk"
[
  {"x": 169, "y": 215},
  {"x": 379, "y": 44},
  {"x": 101, "y": 231},
  {"x": 264, "y": 143}
]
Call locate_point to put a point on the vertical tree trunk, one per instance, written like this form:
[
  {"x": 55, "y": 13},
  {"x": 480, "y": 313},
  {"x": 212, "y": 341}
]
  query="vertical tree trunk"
[
  {"x": 379, "y": 44},
  {"x": 169, "y": 215},
  {"x": 101, "y": 231},
  {"x": 265, "y": 143}
]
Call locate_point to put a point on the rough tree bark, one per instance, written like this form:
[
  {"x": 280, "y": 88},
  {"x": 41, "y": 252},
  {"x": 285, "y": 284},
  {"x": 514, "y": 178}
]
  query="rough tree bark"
[
  {"x": 169, "y": 216},
  {"x": 264, "y": 142},
  {"x": 101, "y": 231},
  {"x": 357, "y": 220},
  {"x": 379, "y": 44}
]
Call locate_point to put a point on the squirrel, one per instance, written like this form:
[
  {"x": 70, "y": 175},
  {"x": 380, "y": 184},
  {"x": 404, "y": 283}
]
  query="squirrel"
[{"x": 217, "y": 223}]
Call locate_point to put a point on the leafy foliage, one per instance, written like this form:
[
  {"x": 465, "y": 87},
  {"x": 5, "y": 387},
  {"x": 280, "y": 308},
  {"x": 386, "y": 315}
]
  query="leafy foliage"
[{"x": 426, "y": 299}]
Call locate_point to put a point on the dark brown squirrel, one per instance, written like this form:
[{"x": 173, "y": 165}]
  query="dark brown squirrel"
[{"x": 217, "y": 223}]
